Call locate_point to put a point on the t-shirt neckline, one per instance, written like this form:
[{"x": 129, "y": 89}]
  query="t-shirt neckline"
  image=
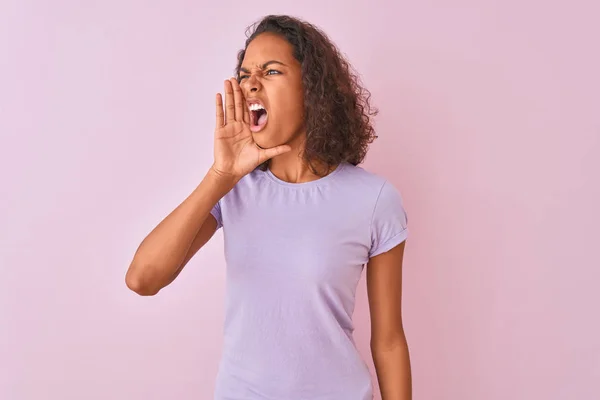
[{"x": 315, "y": 182}]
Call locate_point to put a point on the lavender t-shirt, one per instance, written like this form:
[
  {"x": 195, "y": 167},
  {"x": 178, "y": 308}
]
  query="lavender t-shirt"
[{"x": 295, "y": 253}]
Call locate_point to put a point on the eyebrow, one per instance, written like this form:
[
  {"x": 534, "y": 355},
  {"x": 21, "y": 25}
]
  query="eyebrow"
[{"x": 265, "y": 65}]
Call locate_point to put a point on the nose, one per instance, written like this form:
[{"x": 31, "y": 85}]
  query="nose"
[{"x": 251, "y": 84}]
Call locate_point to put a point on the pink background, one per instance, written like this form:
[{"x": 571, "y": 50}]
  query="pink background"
[{"x": 489, "y": 126}]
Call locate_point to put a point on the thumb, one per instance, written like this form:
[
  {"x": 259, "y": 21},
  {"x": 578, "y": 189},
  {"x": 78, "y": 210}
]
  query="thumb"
[{"x": 266, "y": 154}]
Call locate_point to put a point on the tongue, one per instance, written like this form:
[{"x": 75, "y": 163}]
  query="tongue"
[{"x": 262, "y": 119}]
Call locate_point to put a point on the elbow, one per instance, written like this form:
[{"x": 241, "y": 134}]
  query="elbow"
[
  {"x": 136, "y": 283},
  {"x": 392, "y": 342}
]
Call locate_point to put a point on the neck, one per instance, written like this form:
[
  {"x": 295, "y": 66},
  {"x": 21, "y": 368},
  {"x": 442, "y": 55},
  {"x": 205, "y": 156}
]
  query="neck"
[{"x": 291, "y": 166}]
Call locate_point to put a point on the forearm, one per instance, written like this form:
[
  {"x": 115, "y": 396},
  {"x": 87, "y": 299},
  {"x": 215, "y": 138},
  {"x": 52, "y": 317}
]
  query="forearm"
[
  {"x": 392, "y": 365},
  {"x": 164, "y": 249}
]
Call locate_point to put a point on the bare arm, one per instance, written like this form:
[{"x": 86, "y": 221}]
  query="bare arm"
[
  {"x": 173, "y": 242},
  {"x": 388, "y": 342}
]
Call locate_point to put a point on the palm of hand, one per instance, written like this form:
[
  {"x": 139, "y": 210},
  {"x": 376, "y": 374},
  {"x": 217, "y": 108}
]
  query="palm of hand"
[
  {"x": 235, "y": 145},
  {"x": 236, "y": 152}
]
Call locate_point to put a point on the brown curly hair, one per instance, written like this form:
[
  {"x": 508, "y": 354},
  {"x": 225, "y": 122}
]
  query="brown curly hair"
[{"x": 337, "y": 110}]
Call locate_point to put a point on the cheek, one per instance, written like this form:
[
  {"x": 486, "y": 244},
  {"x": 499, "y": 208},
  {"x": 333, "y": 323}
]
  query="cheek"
[
  {"x": 287, "y": 100},
  {"x": 295, "y": 105},
  {"x": 290, "y": 110}
]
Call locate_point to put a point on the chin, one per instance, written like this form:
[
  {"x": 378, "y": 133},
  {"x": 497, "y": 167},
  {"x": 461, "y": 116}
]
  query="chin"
[
  {"x": 263, "y": 139},
  {"x": 261, "y": 142}
]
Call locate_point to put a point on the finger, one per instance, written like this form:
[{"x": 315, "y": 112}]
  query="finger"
[
  {"x": 246, "y": 112},
  {"x": 238, "y": 100},
  {"x": 272, "y": 152},
  {"x": 220, "y": 115},
  {"x": 229, "y": 106}
]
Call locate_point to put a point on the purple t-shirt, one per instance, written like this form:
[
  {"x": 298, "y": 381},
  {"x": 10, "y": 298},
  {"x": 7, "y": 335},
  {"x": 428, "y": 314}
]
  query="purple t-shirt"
[{"x": 295, "y": 253}]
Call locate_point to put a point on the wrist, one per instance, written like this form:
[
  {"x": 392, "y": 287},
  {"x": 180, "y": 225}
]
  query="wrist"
[{"x": 223, "y": 181}]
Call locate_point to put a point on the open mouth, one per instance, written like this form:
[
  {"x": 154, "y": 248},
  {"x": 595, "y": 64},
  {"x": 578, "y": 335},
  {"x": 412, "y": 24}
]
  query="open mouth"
[{"x": 258, "y": 117}]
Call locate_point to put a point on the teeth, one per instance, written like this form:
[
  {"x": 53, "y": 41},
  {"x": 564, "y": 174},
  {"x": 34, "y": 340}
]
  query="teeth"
[{"x": 255, "y": 107}]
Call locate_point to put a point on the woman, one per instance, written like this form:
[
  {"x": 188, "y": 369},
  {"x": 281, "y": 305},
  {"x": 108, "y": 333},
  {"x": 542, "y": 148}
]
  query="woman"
[{"x": 300, "y": 222}]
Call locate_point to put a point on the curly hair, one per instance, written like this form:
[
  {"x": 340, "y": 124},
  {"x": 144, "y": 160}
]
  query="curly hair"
[{"x": 337, "y": 110}]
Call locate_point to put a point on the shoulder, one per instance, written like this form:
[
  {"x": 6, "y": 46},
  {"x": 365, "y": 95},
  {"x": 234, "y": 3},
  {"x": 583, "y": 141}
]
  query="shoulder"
[
  {"x": 382, "y": 196},
  {"x": 249, "y": 182},
  {"x": 388, "y": 216},
  {"x": 368, "y": 182}
]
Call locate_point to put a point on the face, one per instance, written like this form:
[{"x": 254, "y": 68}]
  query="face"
[{"x": 271, "y": 80}]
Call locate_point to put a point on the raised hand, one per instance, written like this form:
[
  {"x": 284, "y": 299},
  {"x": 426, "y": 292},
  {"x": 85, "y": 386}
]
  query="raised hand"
[{"x": 236, "y": 154}]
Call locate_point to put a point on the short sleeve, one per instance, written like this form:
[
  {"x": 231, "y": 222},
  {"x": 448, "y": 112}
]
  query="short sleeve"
[
  {"x": 216, "y": 212},
  {"x": 389, "y": 225}
]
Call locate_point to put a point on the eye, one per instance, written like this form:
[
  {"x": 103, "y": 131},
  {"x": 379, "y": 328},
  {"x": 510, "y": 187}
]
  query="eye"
[
  {"x": 242, "y": 77},
  {"x": 272, "y": 70}
]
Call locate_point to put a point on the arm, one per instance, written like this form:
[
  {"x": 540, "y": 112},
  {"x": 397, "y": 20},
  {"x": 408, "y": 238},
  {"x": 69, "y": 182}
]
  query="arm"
[
  {"x": 388, "y": 342},
  {"x": 171, "y": 244},
  {"x": 164, "y": 252}
]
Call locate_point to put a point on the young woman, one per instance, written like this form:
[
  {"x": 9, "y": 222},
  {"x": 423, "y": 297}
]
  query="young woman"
[{"x": 300, "y": 221}]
